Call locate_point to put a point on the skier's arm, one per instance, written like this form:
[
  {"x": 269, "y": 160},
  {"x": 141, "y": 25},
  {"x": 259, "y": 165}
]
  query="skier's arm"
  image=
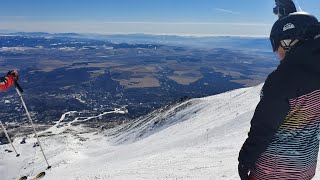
[
  {"x": 8, "y": 80},
  {"x": 268, "y": 117}
]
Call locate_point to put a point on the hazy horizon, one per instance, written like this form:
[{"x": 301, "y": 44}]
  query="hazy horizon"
[{"x": 165, "y": 17}]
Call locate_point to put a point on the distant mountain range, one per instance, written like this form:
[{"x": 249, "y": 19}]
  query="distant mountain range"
[{"x": 252, "y": 43}]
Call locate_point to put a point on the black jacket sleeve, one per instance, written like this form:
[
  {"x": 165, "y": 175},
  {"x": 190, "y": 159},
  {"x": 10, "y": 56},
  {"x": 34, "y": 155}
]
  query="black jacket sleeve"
[
  {"x": 3, "y": 80},
  {"x": 268, "y": 117}
]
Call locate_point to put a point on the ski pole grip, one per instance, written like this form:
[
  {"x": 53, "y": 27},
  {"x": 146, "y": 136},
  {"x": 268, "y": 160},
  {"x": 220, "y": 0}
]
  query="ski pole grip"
[{"x": 18, "y": 86}]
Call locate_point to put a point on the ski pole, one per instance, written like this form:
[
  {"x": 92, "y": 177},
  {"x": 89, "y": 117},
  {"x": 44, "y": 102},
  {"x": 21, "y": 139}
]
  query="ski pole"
[
  {"x": 17, "y": 85},
  {"x": 19, "y": 91},
  {"x": 6, "y": 133}
]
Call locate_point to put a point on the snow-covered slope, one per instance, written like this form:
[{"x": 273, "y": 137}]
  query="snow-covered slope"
[{"x": 198, "y": 139}]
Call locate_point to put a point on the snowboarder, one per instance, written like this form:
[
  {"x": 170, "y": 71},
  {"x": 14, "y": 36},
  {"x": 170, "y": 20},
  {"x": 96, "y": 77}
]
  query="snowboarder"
[
  {"x": 8, "y": 80},
  {"x": 283, "y": 141}
]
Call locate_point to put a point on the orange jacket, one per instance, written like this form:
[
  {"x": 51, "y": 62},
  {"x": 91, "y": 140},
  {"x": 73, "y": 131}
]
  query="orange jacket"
[{"x": 6, "y": 82}]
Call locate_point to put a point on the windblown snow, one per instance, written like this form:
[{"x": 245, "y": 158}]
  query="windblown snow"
[{"x": 198, "y": 139}]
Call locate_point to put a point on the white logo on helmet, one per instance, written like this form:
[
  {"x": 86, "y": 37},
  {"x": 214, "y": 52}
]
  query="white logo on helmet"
[{"x": 288, "y": 26}]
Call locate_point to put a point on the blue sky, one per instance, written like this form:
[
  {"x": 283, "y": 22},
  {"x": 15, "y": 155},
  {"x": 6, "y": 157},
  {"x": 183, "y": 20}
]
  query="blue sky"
[{"x": 182, "y": 17}]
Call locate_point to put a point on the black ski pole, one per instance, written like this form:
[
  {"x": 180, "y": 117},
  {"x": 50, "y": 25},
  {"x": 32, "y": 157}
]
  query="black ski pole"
[{"x": 18, "y": 86}]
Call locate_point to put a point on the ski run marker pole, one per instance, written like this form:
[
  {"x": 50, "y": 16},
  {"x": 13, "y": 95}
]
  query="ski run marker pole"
[
  {"x": 19, "y": 91},
  {"x": 6, "y": 133}
]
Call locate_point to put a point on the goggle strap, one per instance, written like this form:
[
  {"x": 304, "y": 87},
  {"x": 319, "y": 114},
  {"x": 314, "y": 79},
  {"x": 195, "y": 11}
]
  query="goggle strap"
[{"x": 287, "y": 44}]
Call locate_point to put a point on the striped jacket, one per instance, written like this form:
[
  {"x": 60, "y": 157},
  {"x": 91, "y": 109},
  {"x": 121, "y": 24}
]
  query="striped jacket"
[
  {"x": 6, "y": 82},
  {"x": 283, "y": 141}
]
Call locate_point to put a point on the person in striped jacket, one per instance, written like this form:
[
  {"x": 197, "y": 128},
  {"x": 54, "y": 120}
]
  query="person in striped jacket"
[
  {"x": 8, "y": 80},
  {"x": 283, "y": 141}
]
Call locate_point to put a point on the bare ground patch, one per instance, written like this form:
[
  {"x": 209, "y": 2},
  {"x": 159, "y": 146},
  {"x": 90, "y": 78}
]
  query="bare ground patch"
[
  {"x": 146, "y": 82},
  {"x": 186, "y": 77},
  {"x": 50, "y": 65}
]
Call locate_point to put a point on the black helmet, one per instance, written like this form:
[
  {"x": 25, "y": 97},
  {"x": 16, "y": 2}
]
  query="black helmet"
[{"x": 292, "y": 29}]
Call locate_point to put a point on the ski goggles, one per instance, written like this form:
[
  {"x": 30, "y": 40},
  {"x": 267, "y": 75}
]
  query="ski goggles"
[
  {"x": 278, "y": 11},
  {"x": 284, "y": 8}
]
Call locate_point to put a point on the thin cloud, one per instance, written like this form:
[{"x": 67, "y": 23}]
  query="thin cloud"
[
  {"x": 13, "y": 17},
  {"x": 172, "y": 28},
  {"x": 226, "y": 11},
  {"x": 183, "y": 23}
]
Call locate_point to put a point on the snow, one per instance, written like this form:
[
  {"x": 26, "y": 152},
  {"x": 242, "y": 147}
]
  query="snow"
[
  {"x": 9, "y": 49},
  {"x": 198, "y": 139},
  {"x": 80, "y": 100},
  {"x": 67, "y": 48}
]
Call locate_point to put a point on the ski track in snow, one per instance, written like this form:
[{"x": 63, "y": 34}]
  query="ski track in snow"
[{"x": 198, "y": 139}]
